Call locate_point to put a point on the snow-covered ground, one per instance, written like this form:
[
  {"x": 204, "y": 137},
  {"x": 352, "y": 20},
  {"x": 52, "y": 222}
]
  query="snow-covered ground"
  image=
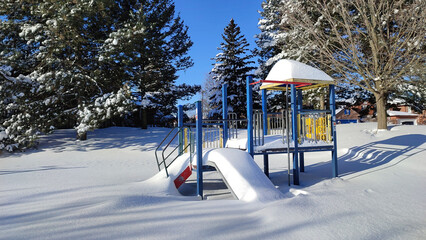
[{"x": 107, "y": 188}]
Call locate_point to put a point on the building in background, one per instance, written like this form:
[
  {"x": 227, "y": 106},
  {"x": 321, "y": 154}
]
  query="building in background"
[
  {"x": 403, "y": 114},
  {"x": 347, "y": 115}
]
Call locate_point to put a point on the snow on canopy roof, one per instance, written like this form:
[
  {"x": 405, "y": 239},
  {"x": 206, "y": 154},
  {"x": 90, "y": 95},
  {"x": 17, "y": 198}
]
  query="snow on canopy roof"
[{"x": 287, "y": 70}]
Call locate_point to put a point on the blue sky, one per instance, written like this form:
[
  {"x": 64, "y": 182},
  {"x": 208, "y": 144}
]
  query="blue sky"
[{"x": 206, "y": 20}]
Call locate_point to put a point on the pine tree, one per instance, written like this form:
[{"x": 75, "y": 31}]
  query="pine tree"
[
  {"x": 20, "y": 119},
  {"x": 278, "y": 40},
  {"x": 152, "y": 48},
  {"x": 163, "y": 103},
  {"x": 231, "y": 67},
  {"x": 269, "y": 40},
  {"x": 81, "y": 59},
  {"x": 57, "y": 48},
  {"x": 208, "y": 85}
]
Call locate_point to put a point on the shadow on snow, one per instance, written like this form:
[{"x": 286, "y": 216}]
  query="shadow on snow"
[
  {"x": 360, "y": 160},
  {"x": 109, "y": 138},
  {"x": 380, "y": 153}
]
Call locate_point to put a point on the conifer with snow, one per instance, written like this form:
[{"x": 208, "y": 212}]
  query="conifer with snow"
[
  {"x": 80, "y": 60},
  {"x": 275, "y": 42},
  {"x": 22, "y": 114},
  {"x": 232, "y": 66}
]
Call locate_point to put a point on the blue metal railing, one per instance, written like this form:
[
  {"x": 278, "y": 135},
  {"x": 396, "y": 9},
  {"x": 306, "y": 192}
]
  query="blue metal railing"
[{"x": 181, "y": 145}]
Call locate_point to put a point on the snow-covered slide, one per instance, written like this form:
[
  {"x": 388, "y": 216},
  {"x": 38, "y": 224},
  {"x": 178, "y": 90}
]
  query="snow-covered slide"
[
  {"x": 246, "y": 180},
  {"x": 242, "y": 174}
]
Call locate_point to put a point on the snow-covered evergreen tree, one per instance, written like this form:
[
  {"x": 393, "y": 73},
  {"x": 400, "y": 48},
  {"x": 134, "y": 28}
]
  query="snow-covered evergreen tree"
[
  {"x": 57, "y": 45},
  {"x": 206, "y": 91},
  {"x": 22, "y": 116},
  {"x": 163, "y": 102},
  {"x": 151, "y": 49},
  {"x": 232, "y": 66},
  {"x": 270, "y": 39},
  {"x": 278, "y": 40},
  {"x": 84, "y": 57}
]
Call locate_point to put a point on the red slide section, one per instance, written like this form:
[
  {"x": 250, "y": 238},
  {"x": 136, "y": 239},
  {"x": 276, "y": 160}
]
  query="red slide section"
[{"x": 183, "y": 176}]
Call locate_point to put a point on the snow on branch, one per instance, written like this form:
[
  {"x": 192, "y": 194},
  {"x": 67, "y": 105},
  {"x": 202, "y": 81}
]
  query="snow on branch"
[{"x": 91, "y": 115}]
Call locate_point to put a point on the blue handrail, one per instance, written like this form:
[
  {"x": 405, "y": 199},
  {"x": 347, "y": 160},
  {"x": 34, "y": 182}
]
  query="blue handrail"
[{"x": 165, "y": 158}]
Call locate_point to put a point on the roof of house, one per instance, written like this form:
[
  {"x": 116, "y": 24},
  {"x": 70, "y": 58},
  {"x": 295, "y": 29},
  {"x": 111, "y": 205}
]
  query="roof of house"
[
  {"x": 346, "y": 114},
  {"x": 399, "y": 113}
]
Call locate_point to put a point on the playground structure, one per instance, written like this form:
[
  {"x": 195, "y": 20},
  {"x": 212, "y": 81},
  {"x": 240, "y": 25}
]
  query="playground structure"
[{"x": 300, "y": 130}]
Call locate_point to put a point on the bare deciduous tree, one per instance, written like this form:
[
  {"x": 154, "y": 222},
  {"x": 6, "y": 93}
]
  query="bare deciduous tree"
[{"x": 373, "y": 44}]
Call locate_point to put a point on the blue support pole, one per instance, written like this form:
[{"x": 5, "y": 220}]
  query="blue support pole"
[
  {"x": 300, "y": 108},
  {"x": 333, "y": 130},
  {"x": 225, "y": 112},
  {"x": 250, "y": 147},
  {"x": 265, "y": 112},
  {"x": 302, "y": 161},
  {"x": 295, "y": 137},
  {"x": 199, "y": 149},
  {"x": 266, "y": 164},
  {"x": 180, "y": 128},
  {"x": 265, "y": 130}
]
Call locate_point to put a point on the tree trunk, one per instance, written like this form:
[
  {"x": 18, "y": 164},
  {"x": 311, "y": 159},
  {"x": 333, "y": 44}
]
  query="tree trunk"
[
  {"x": 82, "y": 136},
  {"x": 382, "y": 122},
  {"x": 322, "y": 102},
  {"x": 144, "y": 119}
]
